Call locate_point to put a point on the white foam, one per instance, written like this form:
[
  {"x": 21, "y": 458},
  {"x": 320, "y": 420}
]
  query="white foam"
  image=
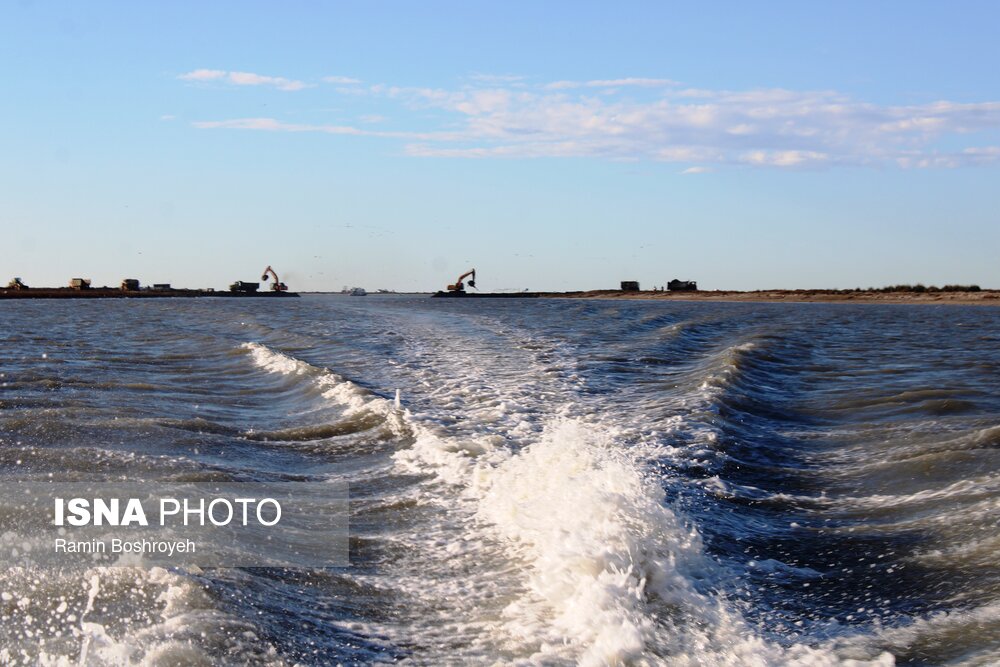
[
  {"x": 334, "y": 387},
  {"x": 943, "y": 629},
  {"x": 102, "y": 617},
  {"x": 610, "y": 569},
  {"x": 598, "y": 540},
  {"x": 608, "y": 573}
]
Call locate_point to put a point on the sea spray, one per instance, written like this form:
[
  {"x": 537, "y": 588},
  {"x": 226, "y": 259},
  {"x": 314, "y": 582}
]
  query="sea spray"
[
  {"x": 599, "y": 542},
  {"x": 611, "y": 572}
]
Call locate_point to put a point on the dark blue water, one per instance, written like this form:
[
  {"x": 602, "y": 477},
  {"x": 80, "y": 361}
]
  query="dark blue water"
[{"x": 561, "y": 482}]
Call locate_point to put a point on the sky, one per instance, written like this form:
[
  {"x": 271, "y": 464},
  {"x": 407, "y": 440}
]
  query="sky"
[{"x": 550, "y": 145}]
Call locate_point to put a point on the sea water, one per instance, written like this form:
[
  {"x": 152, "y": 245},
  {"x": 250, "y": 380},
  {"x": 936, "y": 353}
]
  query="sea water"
[{"x": 536, "y": 481}]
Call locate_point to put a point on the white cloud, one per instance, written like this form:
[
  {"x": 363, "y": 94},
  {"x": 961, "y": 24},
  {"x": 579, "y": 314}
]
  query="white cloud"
[
  {"x": 611, "y": 83},
  {"x": 496, "y": 78},
  {"x": 203, "y": 75},
  {"x": 784, "y": 158},
  {"x": 967, "y": 157},
  {"x": 243, "y": 79},
  {"x": 757, "y": 128},
  {"x": 484, "y": 102},
  {"x": 688, "y": 154},
  {"x": 631, "y": 81},
  {"x": 251, "y": 79},
  {"x": 563, "y": 85},
  {"x": 697, "y": 170},
  {"x": 343, "y": 80},
  {"x": 275, "y": 125},
  {"x": 272, "y": 125}
]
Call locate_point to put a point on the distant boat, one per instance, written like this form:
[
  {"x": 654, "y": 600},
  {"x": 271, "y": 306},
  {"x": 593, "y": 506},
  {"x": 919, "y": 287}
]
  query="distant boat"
[{"x": 357, "y": 291}]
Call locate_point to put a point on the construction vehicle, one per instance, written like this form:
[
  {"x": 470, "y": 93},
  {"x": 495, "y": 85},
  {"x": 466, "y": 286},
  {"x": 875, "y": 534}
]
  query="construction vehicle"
[
  {"x": 459, "y": 286},
  {"x": 16, "y": 284},
  {"x": 80, "y": 283},
  {"x": 277, "y": 285},
  {"x": 682, "y": 285},
  {"x": 630, "y": 285},
  {"x": 243, "y": 286},
  {"x": 130, "y": 285}
]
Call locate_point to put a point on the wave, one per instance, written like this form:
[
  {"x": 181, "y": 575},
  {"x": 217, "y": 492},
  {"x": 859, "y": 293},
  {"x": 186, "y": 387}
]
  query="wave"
[
  {"x": 611, "y": 574},
  {"x": 119, "y": 617},
  {"x": 572, "y": 532},
  {"x": 333, "y": 387},
  {"x": 614, "y": 576}
]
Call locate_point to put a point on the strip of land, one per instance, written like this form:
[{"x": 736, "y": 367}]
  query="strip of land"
[
  {"x": 116, "y": 293},
  {"x": 980, "y": 298}
]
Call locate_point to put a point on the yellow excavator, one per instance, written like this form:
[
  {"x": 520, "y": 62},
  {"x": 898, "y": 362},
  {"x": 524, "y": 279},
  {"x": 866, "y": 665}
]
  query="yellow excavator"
[
  {"x": 459, "y": 286},
  {"x": 277, "y": 285}
]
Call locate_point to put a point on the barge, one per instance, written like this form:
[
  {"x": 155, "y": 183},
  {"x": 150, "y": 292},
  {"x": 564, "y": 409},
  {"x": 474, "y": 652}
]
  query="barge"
[
  {"x": 82, "y": 288},
  {"x": 116, "y": 293},
  {"x": 485, "y": 295}
]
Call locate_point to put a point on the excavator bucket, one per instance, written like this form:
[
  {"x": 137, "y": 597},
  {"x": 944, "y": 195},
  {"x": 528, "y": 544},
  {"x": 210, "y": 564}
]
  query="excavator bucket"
[{"x": 472, "y": 283}]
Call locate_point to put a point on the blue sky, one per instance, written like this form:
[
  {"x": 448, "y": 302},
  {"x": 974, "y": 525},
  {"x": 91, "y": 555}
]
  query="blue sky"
[{"x": 550, "y": 145}]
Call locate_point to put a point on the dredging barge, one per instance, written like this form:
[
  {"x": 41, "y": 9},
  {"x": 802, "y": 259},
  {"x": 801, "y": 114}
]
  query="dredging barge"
[
  {"x": 457, "y": 290},
  {"x": 80, "y": 288},
  {"x": 113, "y": 293},
  {"x": 486, "y": 295}
]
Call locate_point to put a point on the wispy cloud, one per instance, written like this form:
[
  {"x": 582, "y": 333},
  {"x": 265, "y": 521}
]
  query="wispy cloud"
[
  {"x": 612, "y": 83},
  {"x": 275, "y": 125},
  {"x": 272, "y": 125},
  {"x": 632, "y": 81},
  {"x": 562, "y": 85},
  {"x": 791, "y": 158},
  {"x": 657, "y": 119},
  {"x": 496, "y": 79},
  {"x": 342, "y": 80},
  {"x": 243, "y": 79},
  {"x": 203, "y": 75}
]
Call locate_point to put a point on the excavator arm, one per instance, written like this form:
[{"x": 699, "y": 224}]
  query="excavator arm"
[
  {"x": 459, "y": 286},
  {"x": 277, "y": 285}
]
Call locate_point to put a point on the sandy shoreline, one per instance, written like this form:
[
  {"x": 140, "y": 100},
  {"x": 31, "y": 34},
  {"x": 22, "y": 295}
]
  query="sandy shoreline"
[{"x": 982, "y": 298}]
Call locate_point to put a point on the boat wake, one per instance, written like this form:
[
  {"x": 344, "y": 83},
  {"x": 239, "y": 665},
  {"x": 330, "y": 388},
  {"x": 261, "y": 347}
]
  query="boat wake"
[{"x": 570, "y": 541}]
